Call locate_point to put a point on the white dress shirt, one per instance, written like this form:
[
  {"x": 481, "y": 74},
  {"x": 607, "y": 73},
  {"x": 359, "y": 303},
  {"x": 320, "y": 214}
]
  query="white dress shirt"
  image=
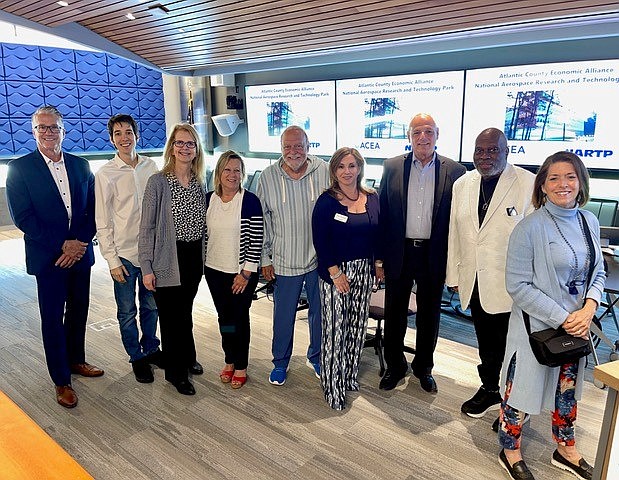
[
  {"x": 59, "y": 174},
  {"x": 119, "y": 189}
]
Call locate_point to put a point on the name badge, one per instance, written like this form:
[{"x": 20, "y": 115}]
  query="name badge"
[{"x": 340, "y": 218}]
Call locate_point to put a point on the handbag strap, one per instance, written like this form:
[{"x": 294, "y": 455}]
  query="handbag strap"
[
  {"x": 592, "y": 259},
  {"x": 585, "y": 226}
]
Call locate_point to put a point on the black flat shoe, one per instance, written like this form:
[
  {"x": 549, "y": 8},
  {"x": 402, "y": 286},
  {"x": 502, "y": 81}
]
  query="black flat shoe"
[
  {"x": 185, "y": 387},
  {"x": 583, "y": 470},
  {"x": 517, "y": 471},
  {"x": 196, "y": 369}
]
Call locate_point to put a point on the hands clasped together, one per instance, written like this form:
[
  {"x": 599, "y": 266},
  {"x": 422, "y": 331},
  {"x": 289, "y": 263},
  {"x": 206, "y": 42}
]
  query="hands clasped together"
[{"x": 72, "y": 252}]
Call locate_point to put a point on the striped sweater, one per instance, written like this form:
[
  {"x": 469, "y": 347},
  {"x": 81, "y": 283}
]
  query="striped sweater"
[
  {"x": 287, "y": 205},
  {"x": 252, "y": 231}
]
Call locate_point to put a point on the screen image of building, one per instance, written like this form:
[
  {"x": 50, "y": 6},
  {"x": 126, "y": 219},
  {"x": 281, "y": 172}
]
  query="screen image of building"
[
  {"x": 280, "y": 115},
  {"x": 540, "y": 115},
  {"x": 383, "y": 119}
]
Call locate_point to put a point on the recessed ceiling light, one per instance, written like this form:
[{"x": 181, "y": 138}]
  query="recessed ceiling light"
[
  {"x": 182, "y": 30},
  {"x": 63, "y": 4},
  {"x": 130, "y": 16}
]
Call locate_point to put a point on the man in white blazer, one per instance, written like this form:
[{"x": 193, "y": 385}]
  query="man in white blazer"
[{"x": 487, "y": 203}]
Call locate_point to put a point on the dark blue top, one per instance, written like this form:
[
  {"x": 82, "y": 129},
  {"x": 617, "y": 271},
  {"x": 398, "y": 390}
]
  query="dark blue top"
[{"x": 340, "y": 236}]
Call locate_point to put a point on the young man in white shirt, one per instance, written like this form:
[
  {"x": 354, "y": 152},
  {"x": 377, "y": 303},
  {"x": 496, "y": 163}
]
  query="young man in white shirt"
[{"x": 119, "y": 188}]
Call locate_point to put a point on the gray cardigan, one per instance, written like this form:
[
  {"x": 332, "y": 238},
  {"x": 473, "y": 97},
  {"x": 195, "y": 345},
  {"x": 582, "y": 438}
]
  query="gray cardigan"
[
  {"x": 532, "y": 281},
  {"x": 157, "y": 241}
]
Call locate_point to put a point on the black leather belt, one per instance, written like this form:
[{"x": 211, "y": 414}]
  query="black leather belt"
[{"x": 417, "y": 242}]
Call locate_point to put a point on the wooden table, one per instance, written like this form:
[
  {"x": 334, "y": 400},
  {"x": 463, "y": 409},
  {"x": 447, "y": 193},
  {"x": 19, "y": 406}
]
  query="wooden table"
[{"x": 607, "y": 458}]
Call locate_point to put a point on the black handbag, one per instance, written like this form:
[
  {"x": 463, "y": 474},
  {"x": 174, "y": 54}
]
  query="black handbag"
[{"x": 556, "y": 347}]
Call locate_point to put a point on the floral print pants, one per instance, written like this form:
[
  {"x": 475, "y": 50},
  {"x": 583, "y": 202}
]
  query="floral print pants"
[{"x": 563, "y": 416}]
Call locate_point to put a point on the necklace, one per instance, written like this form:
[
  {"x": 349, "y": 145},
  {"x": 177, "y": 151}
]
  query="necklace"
[
  {"x": 484, "y": 207},
  {"x": 576, "y": 276},
  {"x": 351, "y": 199}
]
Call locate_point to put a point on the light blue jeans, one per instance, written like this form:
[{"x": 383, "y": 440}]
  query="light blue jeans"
[
  {"x": 286, "y": 293},
  {"x": 124, "y": 293}
]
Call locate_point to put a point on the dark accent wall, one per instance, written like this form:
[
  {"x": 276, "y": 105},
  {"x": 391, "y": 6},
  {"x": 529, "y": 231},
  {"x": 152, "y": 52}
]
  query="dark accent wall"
[{"x": 87, "y": 87}]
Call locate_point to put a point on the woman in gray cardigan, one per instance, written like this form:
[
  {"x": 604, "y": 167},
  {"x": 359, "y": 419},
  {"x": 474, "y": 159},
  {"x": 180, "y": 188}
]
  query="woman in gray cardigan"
[
  {"x": 548, "y": 265},
  {"x": 171, "y": 249}
]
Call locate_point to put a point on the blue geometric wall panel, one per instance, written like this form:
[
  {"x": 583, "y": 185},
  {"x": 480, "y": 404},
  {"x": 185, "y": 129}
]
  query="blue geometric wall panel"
[
  {"x": 151, "y": 104},
  {"x": 64, "y": 97},
  {"x": 6, "y": 142},
  {"x": 95, "y": 101},
  {"x": 24, "y": 98},
  {"x": 21, "y": 62},
  {"x": 121, "y": 72},
  {"x": 124, "y": 100},
  {"x": 96, "y": 138},
  {"x": 4, "y": 106},
  {"x": 152, "y": 134},
  {"x": 87, "y": 88},
  {"x": 91, "y": 67},
  {"x": 23, "y": 141},
  {"x": 149, "y": 78},
  {"x": 58, "y": 65}
]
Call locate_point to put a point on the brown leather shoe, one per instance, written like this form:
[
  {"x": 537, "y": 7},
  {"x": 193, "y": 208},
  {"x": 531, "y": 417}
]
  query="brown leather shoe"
[
  {"x": 86, "y": 370},
  {"x": 66, "y": 396}
]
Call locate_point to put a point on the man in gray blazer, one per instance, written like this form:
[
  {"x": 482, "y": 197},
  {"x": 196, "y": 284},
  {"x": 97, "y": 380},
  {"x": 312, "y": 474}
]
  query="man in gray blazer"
[
  {"x": 487, "y": 204},
  {"x": 415, "y": 201}
]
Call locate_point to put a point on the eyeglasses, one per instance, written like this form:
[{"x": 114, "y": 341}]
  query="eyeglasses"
[
  {"x": 48, "y": 128},
  {"x": 181, "y": 144},
  {"x": 489, "y": 151},
  {"x": 298, "y": 146}
]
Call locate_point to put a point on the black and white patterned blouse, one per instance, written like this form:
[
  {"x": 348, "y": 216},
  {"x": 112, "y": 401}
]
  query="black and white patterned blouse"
[{"x": 188, "y": 209}]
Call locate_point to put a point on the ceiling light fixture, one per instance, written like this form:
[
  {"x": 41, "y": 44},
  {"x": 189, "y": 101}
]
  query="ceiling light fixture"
[
  {"x": 182, "y": 30},
  {"x": 63, "y": 4},
  {"x": 130, "y": 16}
]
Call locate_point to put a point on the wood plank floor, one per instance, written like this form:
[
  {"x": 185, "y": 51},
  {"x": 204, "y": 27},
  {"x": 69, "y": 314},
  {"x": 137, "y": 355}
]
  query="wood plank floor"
[{"x": 125, "y": 430}]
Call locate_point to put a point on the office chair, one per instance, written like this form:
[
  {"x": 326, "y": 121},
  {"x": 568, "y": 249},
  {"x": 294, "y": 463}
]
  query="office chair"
[
  {"x": 604, "y": 209},
  {"x": 377, "y": 312}
]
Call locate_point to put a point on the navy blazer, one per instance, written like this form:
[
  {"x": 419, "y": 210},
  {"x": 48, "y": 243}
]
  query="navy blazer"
[
  {"x": 393, "y": 210},
  {"x": 37, "y": 209}
]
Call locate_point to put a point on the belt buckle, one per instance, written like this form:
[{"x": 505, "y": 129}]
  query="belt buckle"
[{"x": 417, "y": 243}]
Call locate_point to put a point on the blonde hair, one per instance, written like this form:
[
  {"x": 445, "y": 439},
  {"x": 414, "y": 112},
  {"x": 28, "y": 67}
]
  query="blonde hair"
[
  {"x": 197, "y": 166},
  {"x": 219, "y": 168}
]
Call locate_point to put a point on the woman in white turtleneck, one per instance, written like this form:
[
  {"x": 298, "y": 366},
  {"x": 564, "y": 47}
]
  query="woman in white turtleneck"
[{"x": 556, "y": 275}]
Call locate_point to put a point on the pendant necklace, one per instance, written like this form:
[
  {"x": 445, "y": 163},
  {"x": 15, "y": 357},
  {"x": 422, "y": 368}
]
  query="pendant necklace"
[
  {"x": 576, "y": 276},
  {"x": 484, "y": 207}
]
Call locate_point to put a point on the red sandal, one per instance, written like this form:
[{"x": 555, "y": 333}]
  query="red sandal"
[
  {"x": 226, "y": 376},
  {"x": 238, "y": 382}
]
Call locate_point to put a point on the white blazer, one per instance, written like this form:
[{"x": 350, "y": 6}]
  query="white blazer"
[{"x": 481, "y": 251}]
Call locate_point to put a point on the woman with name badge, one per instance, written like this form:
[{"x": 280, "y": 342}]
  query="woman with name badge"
[{"x": 345, "y": 234}]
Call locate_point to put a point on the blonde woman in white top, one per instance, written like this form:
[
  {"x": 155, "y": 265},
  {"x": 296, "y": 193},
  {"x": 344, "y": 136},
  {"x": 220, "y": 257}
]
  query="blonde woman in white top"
[{"x": 234, "y": 233}]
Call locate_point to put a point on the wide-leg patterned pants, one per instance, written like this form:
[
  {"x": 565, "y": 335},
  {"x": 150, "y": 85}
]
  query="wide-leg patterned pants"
[{"x": 344, "y": 320}]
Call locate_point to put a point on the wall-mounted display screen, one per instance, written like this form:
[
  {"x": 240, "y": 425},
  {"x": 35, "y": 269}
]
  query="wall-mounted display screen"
[
  {"x": 373, "y": 114},
  {"x": 273, "y": 108},
  {"x": 547, "y": 108}
]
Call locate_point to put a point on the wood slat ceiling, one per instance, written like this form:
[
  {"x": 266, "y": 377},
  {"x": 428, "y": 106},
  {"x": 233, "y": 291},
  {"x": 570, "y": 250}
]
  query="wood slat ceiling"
[{"x": 185, "y": 35}]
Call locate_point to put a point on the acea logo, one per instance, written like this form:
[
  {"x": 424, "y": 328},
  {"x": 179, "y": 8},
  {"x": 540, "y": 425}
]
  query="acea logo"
[{"x": 368, "y": 145}]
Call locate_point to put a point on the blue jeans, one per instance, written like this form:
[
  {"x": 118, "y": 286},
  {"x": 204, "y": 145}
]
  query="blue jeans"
[
  {"x": 124, "y": 293},
  {"x": 287, "y": 290}
]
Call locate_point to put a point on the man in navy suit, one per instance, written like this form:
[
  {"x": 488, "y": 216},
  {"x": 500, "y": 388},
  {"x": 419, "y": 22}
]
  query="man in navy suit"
[
  {"x": 51, "y": 199},
  {"x": 415, "y": 202}
]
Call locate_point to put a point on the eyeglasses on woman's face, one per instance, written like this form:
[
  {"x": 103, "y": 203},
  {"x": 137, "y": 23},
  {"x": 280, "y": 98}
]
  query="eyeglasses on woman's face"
[{"x": 181, "y": 144}]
